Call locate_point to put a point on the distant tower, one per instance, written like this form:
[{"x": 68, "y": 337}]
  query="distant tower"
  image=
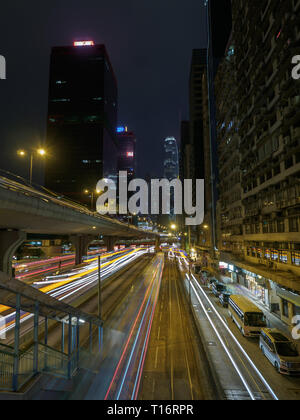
[
  {"x": 171, "y": 161},
  {"x": 171, "y": 167},
  {"x": 127, "y": 152}
]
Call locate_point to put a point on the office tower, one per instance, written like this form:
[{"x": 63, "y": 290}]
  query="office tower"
[
  {"x": 259, "y": 160},
  {"x": 82, "y": 118},
  {"x": 198, "y": 68},
  {"x": 171, "y": 159},
  {"x": 127, "y": 152}
]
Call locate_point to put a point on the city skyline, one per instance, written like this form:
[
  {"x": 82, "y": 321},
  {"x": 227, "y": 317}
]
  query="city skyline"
[
  {"x": 142, "y": 79},
  {"x": 160, "y": 260}
]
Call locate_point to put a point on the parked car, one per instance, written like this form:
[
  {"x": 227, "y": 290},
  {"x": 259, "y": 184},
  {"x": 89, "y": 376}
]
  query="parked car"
[
  {"x": 205, "y": 273},
  {"x": 224, "y": 299},
  {"x": 281, "y": 351},
  {"x": 218, "y": 288},
  {"x": 211, "y": 282}
]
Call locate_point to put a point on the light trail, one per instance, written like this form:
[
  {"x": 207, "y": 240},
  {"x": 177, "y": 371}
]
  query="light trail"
[
  {"x": 264, "y": 381},
  {"x": 130, "y": 336},
  {"x": 245, "y": 383},
  {"x": 84, "y": 278},
  {"x": 145, "y": 346}
]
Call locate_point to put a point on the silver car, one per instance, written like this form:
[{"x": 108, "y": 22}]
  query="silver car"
[{"x": 280, "y": 351}]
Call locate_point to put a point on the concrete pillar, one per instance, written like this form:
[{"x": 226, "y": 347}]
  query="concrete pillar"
[
  {"x": 81, "y": 245},
  {"x": 109, "y": 242},
  {"x": 10, "y": 240}
]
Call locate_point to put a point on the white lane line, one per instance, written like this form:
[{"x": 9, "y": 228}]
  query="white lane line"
[
  {"x": 237, "y": 342},
  {"x": 224, "y": 346}
]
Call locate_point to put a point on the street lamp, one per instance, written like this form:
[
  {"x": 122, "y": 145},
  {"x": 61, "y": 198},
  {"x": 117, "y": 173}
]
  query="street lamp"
[
  {"x": 23, "y": 153},
  {"x": 92, "y": 196}
]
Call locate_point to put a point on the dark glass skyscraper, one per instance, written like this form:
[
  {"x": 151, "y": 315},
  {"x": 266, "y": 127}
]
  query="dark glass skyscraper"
[
  {"x": 82, "y": 119},
  {"x": 127, "y": 152}
]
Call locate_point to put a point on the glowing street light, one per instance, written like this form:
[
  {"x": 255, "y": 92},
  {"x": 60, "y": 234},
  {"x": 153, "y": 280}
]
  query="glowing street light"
[
  {"x": 22, "y": 153},
  {"x": 92, "y": 194}
]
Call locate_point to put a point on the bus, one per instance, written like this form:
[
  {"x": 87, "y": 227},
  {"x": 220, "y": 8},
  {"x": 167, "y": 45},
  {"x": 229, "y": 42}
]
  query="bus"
[{"x": 246, "y": 315}]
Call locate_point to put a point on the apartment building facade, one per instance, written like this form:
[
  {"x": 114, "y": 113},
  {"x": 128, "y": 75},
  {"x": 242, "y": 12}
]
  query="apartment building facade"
[{"x": 258, "y": 131}]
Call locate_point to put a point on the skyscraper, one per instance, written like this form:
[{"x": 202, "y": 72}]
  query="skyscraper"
[
  {"x": 198, "y": 69},
  {"x": 171, "y": 160},
  {"x": 127, "y": 152},
  {"x": 82, "y": 118}
]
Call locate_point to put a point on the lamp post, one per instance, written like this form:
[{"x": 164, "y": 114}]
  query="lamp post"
[
  {"x": 99, "y": 288},
  {"x": 23, "y": 153},
  {"x": 92, "y": 196}
]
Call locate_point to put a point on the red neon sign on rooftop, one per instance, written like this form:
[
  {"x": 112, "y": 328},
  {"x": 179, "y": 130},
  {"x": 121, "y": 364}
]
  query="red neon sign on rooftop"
[{"x": 83, "y": 43}]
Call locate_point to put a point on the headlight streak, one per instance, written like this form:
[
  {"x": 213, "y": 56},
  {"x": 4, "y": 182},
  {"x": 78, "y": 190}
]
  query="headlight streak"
[
  {"x": 129, "y": 337},
  {"x": 235, "y": 340},
  {"x": 223, "y": 344},
  {"x": 146, "y": 343},
  {"x": 78, "y": 284},
  {"x": 135, "y": 341}
]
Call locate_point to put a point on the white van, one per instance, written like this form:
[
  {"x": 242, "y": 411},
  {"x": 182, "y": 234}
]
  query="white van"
[{"x": 280, "y": 351}]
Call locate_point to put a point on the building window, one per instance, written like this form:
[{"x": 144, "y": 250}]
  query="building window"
[
  {"x": 296, "y": 258},
  {"x": 61, "y": 100},
  {"x": 294, "y": 225},
  {"x": 283, "y": 257},
  {"x": 280, "y": 226},
  {"x": 285, "y": 308},
  {"x": 274, "y": 255},
  {"x": 296, "y": 310}
]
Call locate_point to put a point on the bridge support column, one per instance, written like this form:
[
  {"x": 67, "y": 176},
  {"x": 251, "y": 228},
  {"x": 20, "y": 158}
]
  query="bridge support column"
[
  {"x": 109, "y": 242},
  {"x": 81, "y": 245},
  {"x": 10, "y": 240}
]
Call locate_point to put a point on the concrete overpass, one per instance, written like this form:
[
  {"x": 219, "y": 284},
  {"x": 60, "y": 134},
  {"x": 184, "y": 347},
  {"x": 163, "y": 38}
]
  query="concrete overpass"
[{"x": 24, "y": 209}]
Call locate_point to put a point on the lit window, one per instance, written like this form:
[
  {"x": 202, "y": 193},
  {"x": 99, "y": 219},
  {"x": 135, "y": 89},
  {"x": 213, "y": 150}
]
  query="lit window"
[
  {"x": 97, "y": 99},
  {"x": 61, "y": 100},
  {"x": 83, "y": 43}
]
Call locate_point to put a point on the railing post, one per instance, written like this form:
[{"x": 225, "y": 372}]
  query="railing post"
[
  {"x": 17, "y": 342},
  {"x": 99, "y": 338},
  {"x": 70, "y": 333},
  {"x": 46, "y": 331},
  {"x": 62, "y": 337},
  {"x": 77, "y": 342},
  {"x": 46, "y": 343},
  {"x": 36, "y": 339},
  {"x": 91, "y": 337}
]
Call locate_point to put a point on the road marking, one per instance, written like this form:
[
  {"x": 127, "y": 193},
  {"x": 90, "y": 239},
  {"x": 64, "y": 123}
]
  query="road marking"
[{"x": 156, "y": 357}]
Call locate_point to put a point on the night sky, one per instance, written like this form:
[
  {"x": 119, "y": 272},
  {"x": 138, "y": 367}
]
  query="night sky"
[{"x": 149, "y": 42}]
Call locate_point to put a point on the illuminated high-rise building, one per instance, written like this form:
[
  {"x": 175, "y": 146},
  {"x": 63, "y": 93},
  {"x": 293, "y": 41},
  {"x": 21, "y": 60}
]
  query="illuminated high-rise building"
[
  {"x": 82, "y": 119},
  {"x": 171, "y": 159},
  {"x": 127, "y": 152}
]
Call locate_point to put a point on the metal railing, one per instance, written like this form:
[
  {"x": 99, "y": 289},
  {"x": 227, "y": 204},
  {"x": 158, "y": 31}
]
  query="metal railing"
[{"x": 50, "y": 361}]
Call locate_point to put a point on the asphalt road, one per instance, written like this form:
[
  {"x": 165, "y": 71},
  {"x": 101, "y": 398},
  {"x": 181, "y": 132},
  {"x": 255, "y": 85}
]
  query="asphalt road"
[{"x": 176, "y": 367}]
